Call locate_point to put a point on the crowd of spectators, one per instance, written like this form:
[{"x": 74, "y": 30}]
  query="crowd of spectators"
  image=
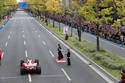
[
  {"x": 106, "y": 31},
  {"x": 112, "y": 33}
]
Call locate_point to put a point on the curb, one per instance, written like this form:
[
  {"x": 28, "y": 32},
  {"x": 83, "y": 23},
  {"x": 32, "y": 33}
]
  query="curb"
[
  {"x": 4, "y": 24},
  {"x": 115, "y": 80}
]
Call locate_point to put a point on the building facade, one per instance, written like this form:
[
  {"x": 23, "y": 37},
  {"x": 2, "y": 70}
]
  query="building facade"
[{"x": 66, "y": 3}]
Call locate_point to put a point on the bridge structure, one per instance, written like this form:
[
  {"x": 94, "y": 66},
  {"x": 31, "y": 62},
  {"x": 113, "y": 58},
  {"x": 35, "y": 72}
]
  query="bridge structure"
[{"x": 22, "y": 5}]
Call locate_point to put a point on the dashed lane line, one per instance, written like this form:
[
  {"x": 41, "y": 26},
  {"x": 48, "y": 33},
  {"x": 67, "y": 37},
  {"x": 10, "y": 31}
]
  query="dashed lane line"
[
  {"x": 66, "y": 74},
  {"x": 24, "y": 42},
  {"x": 23, "y": 36},
  {"x": 51, "y": 53},
  {"x": 2, "y": 54},
  {"x": 29, "y": 77},
  {"x": 26, "y": 53},
  {"x": 44, "y": 42},
  {"x": 39, "y": 36},
  {"x": 6, "y": 44},
  {"x": 9, "y": 37}
]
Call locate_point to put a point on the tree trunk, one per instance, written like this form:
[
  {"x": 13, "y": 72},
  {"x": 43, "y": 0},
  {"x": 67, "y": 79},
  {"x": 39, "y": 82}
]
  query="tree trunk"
[
  {"x": 53, "y": 20},
  {"x": 59, "y": 26},
  {"x": 79, "y": 28},
  {"x": 79, "y": 33},
  {"x": 71, "y": 29},
  {"x": 97, "y": 37},
  {"x": 53, "y": 23}
]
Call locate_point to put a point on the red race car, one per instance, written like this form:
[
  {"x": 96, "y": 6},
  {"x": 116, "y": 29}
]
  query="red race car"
[{"x": 30, "y": 66}]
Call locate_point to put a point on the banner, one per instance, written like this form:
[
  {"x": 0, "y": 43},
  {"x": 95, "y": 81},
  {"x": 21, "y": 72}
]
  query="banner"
[{"x": 65, "y": 30}]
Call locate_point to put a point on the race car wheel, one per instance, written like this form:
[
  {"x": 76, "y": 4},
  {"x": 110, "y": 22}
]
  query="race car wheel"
[
  {"x": 38, "y": 71},
  {"x": 22, "y": 70},
  {"x": 21, "y": 63},
  {"x": 37, "y": 61}
]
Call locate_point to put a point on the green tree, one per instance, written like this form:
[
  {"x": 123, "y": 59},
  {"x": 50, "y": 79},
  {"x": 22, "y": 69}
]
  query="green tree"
[
  {"x": 53, "y": 6},
  {"x": 4, "y": 8}
]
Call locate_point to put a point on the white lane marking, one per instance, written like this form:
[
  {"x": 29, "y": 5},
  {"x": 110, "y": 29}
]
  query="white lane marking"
[
  {"x": 35, "y": 31},
  {"x": 24, "y": 42},
  {"x": 39, "y": 36},
  {"x": 51, "y": 53},
  {"x": 2, "y": 54},
  {"x": 44, "y": 42},
  {"x": 80, "y": 57},
  {"x": 66, "y": 74},
  {"x": 101, "y": 74},
  {"x": 29, "y": 77},
  {"x": 26, "y": 53},
  {"x": 69, "y": 47},
  {"x": 9, "y": 37},
  {"x": 23, "y": 36},
  {"x": 10, "y": 32},
  {"x": 22, "y": 31},
  {"x": 6, "y": 44}
]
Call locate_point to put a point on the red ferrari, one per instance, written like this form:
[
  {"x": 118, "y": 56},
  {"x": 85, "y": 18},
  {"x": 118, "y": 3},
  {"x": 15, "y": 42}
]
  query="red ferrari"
[{"x": 30, "y": 66}]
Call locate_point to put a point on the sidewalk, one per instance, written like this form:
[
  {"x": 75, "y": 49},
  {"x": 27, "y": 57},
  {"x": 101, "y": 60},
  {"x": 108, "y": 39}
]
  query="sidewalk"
[{"x": 110, "y": 46}]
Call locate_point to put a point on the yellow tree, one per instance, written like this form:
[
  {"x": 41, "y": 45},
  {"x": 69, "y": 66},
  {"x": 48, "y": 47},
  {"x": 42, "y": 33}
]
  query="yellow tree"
[
  {"x": 53, "y": 6},
  {"x": 42, "y": 6},
  {"x": 30, "y": 2},
  {"x": 37, "y": 8},
  {"x": 4, "y": 9}
]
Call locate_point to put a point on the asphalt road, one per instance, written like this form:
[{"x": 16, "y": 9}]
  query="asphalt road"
[
  {"x": 108, "y": 45},
  {"x": 23, "y": 36}
]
